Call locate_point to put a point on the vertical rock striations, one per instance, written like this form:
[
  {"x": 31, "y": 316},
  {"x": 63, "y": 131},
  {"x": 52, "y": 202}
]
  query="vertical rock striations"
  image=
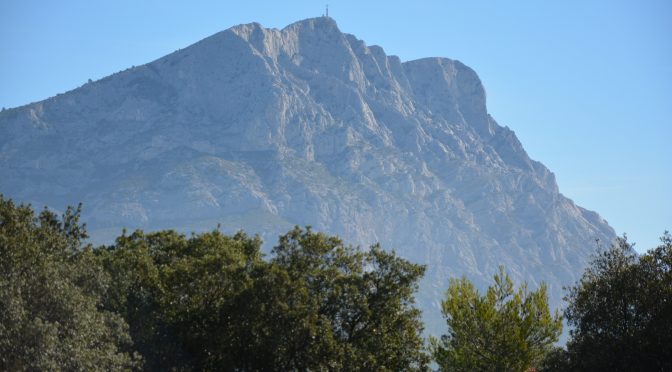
[{"x": 262, "y": 129}]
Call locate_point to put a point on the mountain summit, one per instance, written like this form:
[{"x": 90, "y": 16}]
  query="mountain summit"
[{"x": 262, "y": 129}]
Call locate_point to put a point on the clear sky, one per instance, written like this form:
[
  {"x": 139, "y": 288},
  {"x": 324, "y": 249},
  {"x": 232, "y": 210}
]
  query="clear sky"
[{"x": 586, "y": 85}]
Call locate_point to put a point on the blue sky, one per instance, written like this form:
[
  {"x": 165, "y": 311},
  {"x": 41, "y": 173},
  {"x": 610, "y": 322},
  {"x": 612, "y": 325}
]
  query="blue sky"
[{"x": 586, "y": 85}]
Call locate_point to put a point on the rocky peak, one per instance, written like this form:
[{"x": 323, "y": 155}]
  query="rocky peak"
[{"x": 262, "y": 129}]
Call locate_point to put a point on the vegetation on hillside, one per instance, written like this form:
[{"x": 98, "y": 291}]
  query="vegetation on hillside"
[
  {"x": 503, "y": 330},
  {"x": 620, "y": 312},
  {"x": 210, "y": 301},
  {"x": 51, "y": 292}
]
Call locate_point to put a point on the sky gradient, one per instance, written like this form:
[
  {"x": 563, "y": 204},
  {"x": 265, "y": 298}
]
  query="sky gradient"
[{"x": 586, "y": 85}]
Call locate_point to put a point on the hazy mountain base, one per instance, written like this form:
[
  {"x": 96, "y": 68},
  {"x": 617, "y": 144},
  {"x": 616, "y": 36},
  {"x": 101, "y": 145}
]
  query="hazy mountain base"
[{"x": 262, "y": 129}]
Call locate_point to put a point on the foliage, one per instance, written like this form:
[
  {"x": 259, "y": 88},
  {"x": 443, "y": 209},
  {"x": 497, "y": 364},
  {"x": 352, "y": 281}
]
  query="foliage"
[
  {"x": 177, "y": 294},
  {"x": 503, "y": 330},
  {"x": 212, "y": 302},
  {"x": 357, "y": 306},
  {"x": 50, "y": 295},
  {"x": 621, "y": 311},
  {"x": 164, "y": 301}
]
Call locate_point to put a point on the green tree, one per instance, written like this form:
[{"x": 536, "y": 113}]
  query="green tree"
[
  {"x": 503, "y": 330},
  {"x": 50, "y": 294},
  {"x": 179, "y": 294},
  {"x": 344, "y": 308},
  {"x": 621, "y": 311},
  {"x": 211, "y": 302}
]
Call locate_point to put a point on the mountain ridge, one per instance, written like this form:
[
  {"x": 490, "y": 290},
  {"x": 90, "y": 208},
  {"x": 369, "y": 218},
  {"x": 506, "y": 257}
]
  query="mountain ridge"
[{"x": 262, "y": 129}]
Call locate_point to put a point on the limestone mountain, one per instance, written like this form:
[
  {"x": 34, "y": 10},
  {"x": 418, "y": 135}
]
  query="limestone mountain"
[{"x": 262, "y": 129}]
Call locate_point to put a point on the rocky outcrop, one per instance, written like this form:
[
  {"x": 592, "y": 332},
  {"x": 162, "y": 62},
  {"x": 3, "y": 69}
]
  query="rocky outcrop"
[{"x": 262, "y": 129}]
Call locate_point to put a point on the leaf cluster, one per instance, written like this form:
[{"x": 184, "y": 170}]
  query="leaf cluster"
[
  {"x": 213, "y": 302},
  {"x": 50, "y": 297},
  {"x": 503, "y": 330},
  {"x": 621, "y": 311}
]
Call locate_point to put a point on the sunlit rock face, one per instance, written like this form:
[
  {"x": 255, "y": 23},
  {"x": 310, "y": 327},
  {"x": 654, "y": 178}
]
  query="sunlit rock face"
[{"x": 261, "y": 129}]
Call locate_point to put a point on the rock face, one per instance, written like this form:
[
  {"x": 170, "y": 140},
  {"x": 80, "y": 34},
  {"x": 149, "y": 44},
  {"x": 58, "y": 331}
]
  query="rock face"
[{"x": 262, "y": 129}]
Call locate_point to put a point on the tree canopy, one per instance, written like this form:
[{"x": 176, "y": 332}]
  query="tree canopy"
[
  {"x": 50, "y": 318},
  {"x": 211, "y": 300},
  {"x": 503, "y": 330},
  {"x": 621, "y": 311},
  {"x": 165, "y": 301}
]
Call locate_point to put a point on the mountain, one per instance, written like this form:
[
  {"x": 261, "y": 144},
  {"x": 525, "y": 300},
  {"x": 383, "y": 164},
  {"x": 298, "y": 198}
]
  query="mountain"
[{"x": 262, "y": 129}]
